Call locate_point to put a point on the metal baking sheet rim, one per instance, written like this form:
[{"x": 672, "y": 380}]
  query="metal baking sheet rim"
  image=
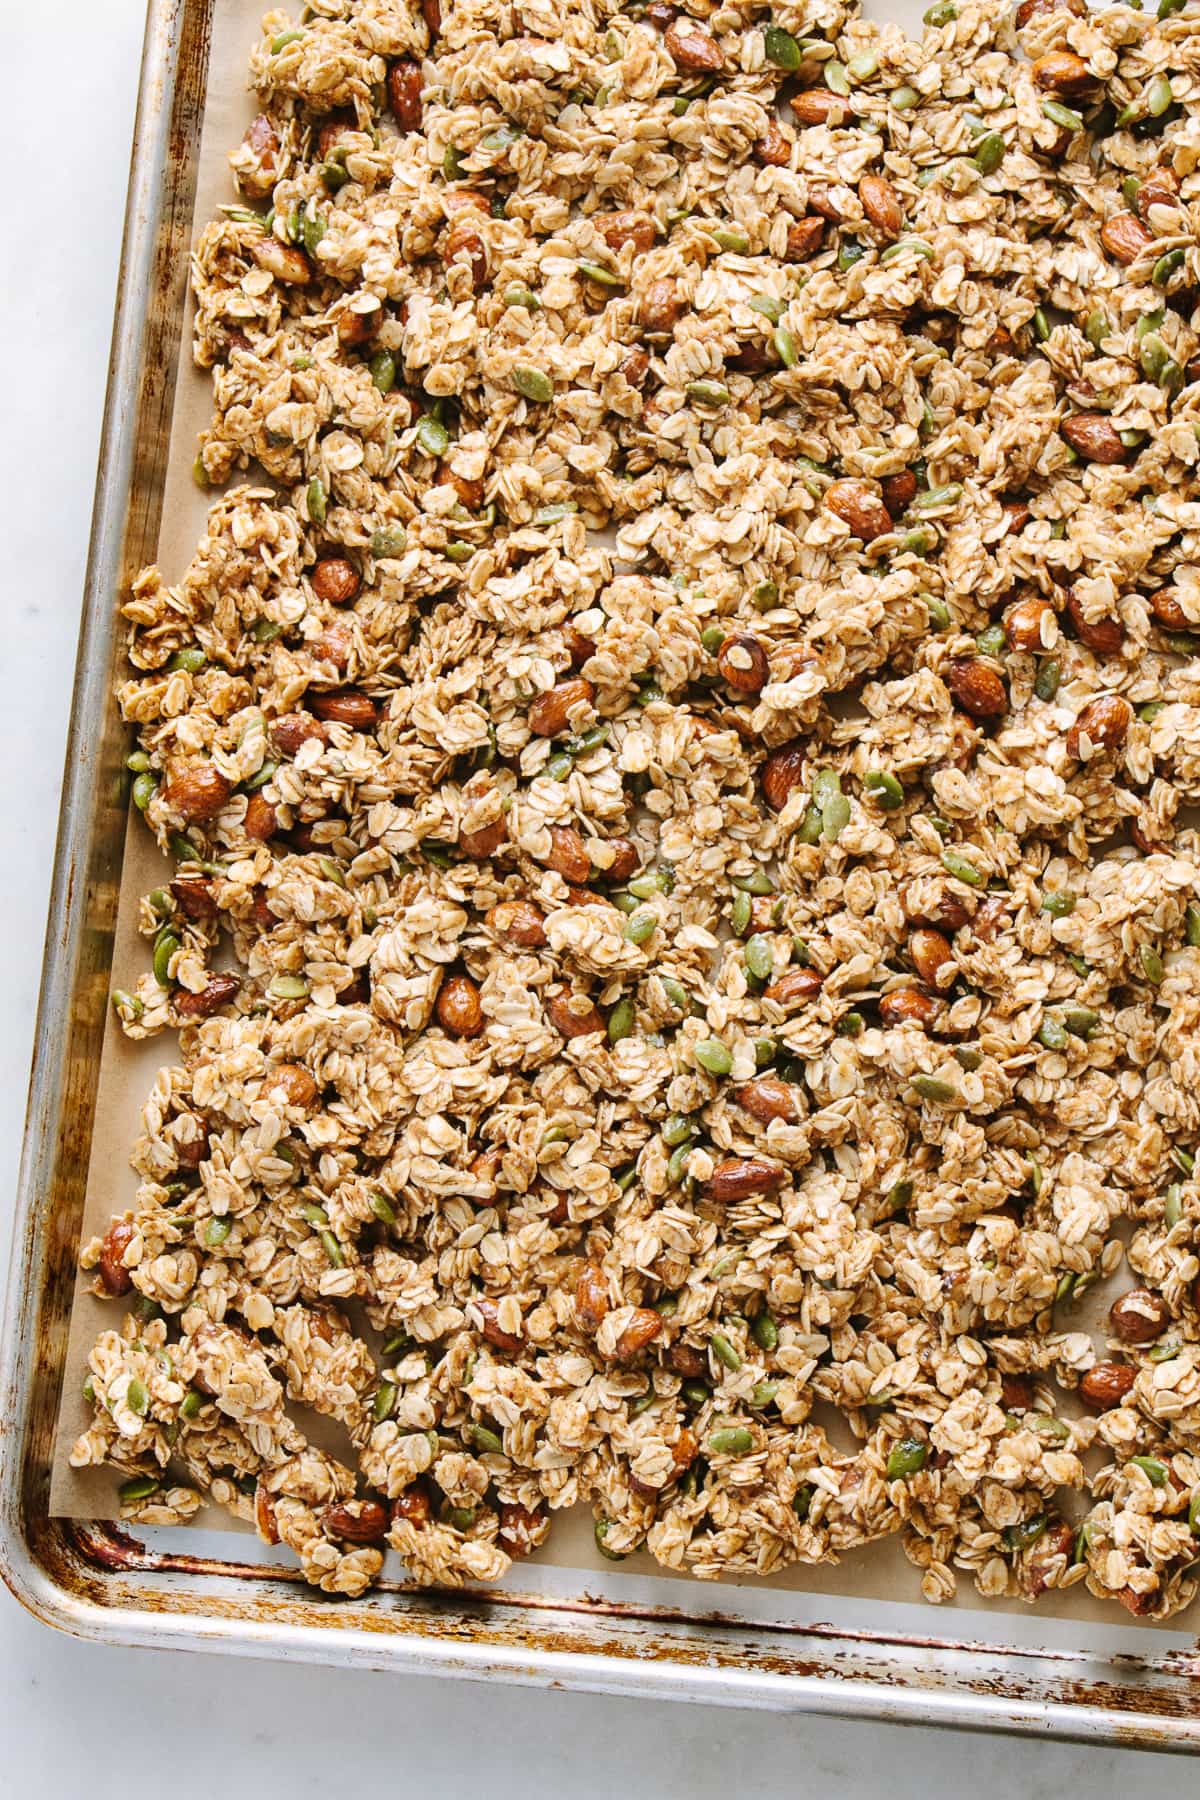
[{"x": 96, "y": 1582}]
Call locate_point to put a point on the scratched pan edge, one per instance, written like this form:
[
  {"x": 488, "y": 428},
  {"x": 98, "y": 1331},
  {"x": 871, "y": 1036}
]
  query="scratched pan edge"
[{"x": 581, "y": 1629}]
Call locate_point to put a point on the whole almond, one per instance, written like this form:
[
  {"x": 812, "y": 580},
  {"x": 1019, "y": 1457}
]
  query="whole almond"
[
  {"x": 218, "y": 992},
  {"x": 1017, "y": 515},
  {"x": 113, "y": 1272},
  {"x": 976, "y": 687},
  {"x": 740, "y": 1177},
  {"x": 1106, "y": 1385},
  {"x": 591, "y": 1299},
  {"x": 1028, "y": 623},
  {"x": 355, "y": 328},
  {"x": 334, "y": 643},
  {"x": 1125, "y": 237},
  {"x": 782, "y": 771},
  {"x": 458, "y": 1009},
  {"x": 198, "y": 791},
  {"x": 626, "y": 860},
  {"x": 773, "y": 149},
  {"x": 1138, "y": 1316},
  {"x": 635, "y": 367},
  {"x": 485, "y": 842},
  {"x": 1104, "y": 723},
  {"x": 1094, "y": 437},
  {"x": 345, "y": 706},
  {"x": 1104, "y": 637},
  {"x": 818, "y": 106},
  {"x": 686, "y": 1360},
  {"x": 259, "y": 177},
  {"x": 899, "y": 491},
  {"x": 642, "y": 1328},
  {"x": 692, "y": 48},
  {"x": 907, "y": 1006},
  {"x": 821, "y": 200},
  {"x": 574, "y": 1015},
  {"x": 931, "y": 954},
  {"x": 1062, "y": 72},
  {"x": 767, "y": 1098},
  {"x": 193, "y": 895},
  {"x": 1016, "y": 1393},
  {"x": 404, "y": 93},
  {"x": 193, "y": 1151},
  {"x": 520, "y": 921},
  {"x": 661, "y": 307},
  {"x": 463, "y": 242},
  {"x": 1168, "y": 610},
  {"x": 620, "y": 228},
  {"x": 493, "y": 1331},
  {"x": 519, "y": 1530},
  {"x": 804, "y": 238},
  {"x": 261, "y": 821},
  {"x": 1160, "y": 188},
  {"x": 743, "y": 663},
  {"x": 549, "y": 713},
  {"x": 290, "y": 1084},
  {"x": 355, "y": 1521},
  {"x": 794, "y": 988},
  {"x": 881, "y": 203},
  {"x": 470, "y": 490},
  {"x": 294, "y": 729},
  {"x": 568, "y": 857},
  {"x": 413, "y": 1507},
  {"x": 335, "y": 580},
  {"x": 859, "y": 507},
  {"x": 282, "y": 261}
]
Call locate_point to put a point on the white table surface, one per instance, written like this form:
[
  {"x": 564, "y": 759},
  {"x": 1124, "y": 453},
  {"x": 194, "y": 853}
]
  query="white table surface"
[{"x": 70, "y": 1709}]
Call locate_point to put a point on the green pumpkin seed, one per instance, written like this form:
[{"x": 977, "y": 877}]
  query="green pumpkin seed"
[
  {"x": 781, "y": 48},
  {"x": 640, "y": 928},
  {"x": 1059, "y": 905},
  {"x": 1152, "y": 964},
  {"x": 850, "y": 251},
  {"x": 1166, "y": 266},
  {"x": 785, "y": 347},
  {"x": 1045, "y": 683},
  {"x": 899, "y": 1195},
  {"x": 1191, "y": 924},
  {"x": 989, "y": 153},
  {"x": 1097, "y": 328},
  {"x": 962, "y": 870},
  {"x": 906, "y": 1458},
  {"x": 732, "y": 1440},
  {"x": 1158, "y": 96},
  {"x": 1172, "y": 1206},
  {"x": 1064, "y": 116},
  {"x": 1052, "y": 1033},
  {"x": 485, "y": 1440},
  {"x": 707, "y": 393},
  {"x": 765, "y": 596},
  {"x": 382, "y": 1208},
  {"x": 850, "y": 1025},
  {"x": 762, "y": 1394},
  {"x": 620, "y": 1021},
  {"x": 558, "y": 768},
  {"x": 1154, "y": 1471},
  {"x": 189, "y": 661},
  {"x": 675, "y": 992},
  {"x": 758, "y": 958},
  {"x": 728, "y": 237},
  {"x": 884, "y": 789},
  {"x": 137, "y": 1397},
  {"x": 144, "y": 788},
  {"x": 283, "y": 40},
  {"x": 216, "y": 1232},
  {"x": 532, "y": 384},
  {"x": 713, "y": 1055},
  {"x": 904, "y": 98},
  {"x": 287, "y": 987},
  {"x": 1027, "y": 1533},
  {"x": 932, "y": 1087},
  {"x": 764, "y": 1331},
  {"x": 600, "y": 1532},
  {"x": 724, "y": 1351},
  {"x": 597, "y": 272},
  {"x": 768, "y": 306},
  {"x": 739, "y": 916},
  {"x": 939, "y": 612},
  {"x": 1080, "y": 1021},
  {"x": 432, "y": 435},
  {"x": 139, "y": 1487},
  {"x": 127, "y": 1003},
  {"x": 907, "y": 246},
  {"x": 165, "y": 946},
  {"x": 1194, "y": 1514},
  {"x": 1046, "y": 1426},
  {"x": 863, "y": 66},
  {"x": 261, "y": 776},
  {"x": 316, "y": 500},
  {"x": 949, "y": 495}
]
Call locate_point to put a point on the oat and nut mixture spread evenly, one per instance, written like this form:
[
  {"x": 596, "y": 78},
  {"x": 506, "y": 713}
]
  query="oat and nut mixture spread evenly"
[{"x": 685, "y": 933}]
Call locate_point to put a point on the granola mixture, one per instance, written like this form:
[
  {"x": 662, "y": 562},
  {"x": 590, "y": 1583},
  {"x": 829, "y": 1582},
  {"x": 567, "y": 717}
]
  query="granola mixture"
[{"x": 685, "y": 937}]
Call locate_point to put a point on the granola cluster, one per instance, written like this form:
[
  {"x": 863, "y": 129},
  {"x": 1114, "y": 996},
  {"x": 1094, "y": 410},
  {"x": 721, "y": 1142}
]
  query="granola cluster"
[{"x": 685, "y": 939}]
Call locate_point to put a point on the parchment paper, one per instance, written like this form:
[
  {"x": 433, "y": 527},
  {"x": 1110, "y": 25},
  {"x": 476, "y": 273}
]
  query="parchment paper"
[{"x": 878, "y": 1572}]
